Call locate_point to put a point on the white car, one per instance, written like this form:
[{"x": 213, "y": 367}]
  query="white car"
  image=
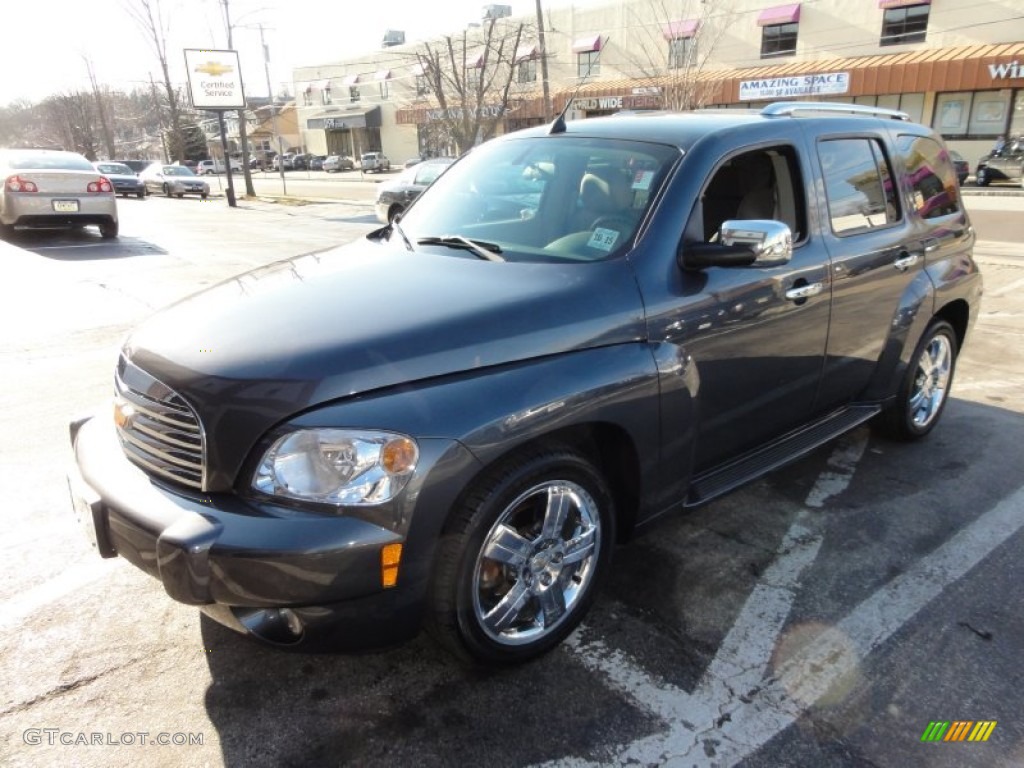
[
  {"x": 172, "y": 180},
  {"x": 53, "y": 189},
  {"x": 204, "y": 167}
]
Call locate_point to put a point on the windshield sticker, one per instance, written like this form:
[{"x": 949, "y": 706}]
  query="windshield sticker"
[
  {"x": 603, "y": 239},
  {"x": 643, "y": 179}
]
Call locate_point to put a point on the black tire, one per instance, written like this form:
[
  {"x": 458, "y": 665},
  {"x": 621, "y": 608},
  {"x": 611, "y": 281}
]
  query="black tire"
[
  {"x": 181, "y": 195},
  {"x": 981, "y": 178},
  {"x": 924, "y": 391},
  {"x": 109, "y": 230},
  {"x": 549, "y": 517},
  {"x": 167, "y": 190},
  {"x": 140, "y": 194},
  {"x": 203, "y": 195}
]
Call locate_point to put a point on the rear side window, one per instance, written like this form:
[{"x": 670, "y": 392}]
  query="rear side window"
[
  {"x": 930, "y": 177},
  {"x": 858, "y": 184}
]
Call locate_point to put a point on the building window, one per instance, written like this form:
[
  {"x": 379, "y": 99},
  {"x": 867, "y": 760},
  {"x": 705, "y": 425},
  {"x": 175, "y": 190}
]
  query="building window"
[
  {"x": 528, "y": 71},
  {"x": 588, "y": 64},
  {"x": 307, "y": 97},
  {"x": 972, "y": 114},
  {"x": 778, "y": 39},
  {"x": 682, "y": 52},
  {"x": 325, "y": 94},
  {"x": 353, "y": 93},
  {"x": 422, "y": 86},
  {"x": 908, "y": 24},
  {"x": 383, "y": 90}
]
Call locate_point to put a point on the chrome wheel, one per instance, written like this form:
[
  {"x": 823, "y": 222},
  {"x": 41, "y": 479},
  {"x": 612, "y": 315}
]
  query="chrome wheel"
[
  {"x": 931, "y": 381},
  {"x": 536, "y": 562}
]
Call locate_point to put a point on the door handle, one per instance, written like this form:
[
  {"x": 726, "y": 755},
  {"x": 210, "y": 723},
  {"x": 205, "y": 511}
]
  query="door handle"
[
  {"x": 804, "y": 291},
  {"x": 906, "y": 261}
]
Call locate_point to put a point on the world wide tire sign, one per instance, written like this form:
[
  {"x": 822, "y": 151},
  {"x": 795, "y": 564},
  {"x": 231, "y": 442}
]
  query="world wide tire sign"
[{"x": 214, "y": 79}]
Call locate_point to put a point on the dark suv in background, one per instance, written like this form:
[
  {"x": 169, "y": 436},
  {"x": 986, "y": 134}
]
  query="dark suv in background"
[{"x": 575, "y": 329}]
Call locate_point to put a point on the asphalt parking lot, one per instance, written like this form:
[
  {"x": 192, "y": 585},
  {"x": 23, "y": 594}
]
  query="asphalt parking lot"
[{"x": 824, "y": 616}]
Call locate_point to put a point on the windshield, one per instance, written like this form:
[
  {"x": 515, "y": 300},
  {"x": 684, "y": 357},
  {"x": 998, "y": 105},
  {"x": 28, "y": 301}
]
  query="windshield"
[
  {"x": 177, "y": 170},
  {"x": 62, "y": 161},
  {"x": 115, "y": 168},
  {"x": 543, "y": 198}
]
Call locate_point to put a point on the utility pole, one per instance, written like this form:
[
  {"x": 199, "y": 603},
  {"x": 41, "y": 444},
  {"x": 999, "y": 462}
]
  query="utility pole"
[
  {"x": 543, "y": 63},
  {"x": 246, "y": 171},
  {"x": 273, "y": 112}
]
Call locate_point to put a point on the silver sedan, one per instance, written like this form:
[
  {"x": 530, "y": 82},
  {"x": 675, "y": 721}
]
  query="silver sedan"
[
  {"x": 53, "y": 189},
  {"x": 173, "y": 180}
]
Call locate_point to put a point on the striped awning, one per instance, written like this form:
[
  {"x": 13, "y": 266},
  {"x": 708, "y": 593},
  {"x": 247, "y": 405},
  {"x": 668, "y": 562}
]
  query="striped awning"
[
  {"x": 350, "y": 80},
  {"x": 586, "y": 44},
  {"x": 524, "y": 53}
]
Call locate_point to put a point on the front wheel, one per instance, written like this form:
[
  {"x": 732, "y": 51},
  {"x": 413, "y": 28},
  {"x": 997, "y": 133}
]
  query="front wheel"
[
  {"x": 167, "y": 190},
  {"x": 925, "y": 387},
  {"x": 981, "y": 178},
  {"x": 521, "y": 557}
]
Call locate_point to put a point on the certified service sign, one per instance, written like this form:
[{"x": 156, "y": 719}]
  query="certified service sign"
[{"x": 214, "y": 79}]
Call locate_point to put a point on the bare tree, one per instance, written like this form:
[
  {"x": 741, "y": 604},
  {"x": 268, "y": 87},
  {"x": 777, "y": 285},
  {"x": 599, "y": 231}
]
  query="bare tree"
[
  {"x": 674, "y": 40},
  {"x": 101, "y": 110},
  {"x": 149, "y": 17},
  {"x": 72, "y": 115},
  {"x": 469, "y": 78}
]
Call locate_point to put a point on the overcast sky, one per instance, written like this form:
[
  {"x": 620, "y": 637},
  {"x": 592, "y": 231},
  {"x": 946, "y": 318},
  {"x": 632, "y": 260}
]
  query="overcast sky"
[{"x": 44, "y": 43}]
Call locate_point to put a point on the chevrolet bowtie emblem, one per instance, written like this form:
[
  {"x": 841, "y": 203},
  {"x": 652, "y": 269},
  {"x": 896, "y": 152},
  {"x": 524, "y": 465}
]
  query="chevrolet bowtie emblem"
[{"x": 214, "y": 68}]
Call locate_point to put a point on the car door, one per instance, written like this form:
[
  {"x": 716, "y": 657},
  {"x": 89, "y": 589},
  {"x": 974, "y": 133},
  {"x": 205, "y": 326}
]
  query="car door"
[
  {"x": 875, "y": 252},
  {"x": 746, "y": 343}
]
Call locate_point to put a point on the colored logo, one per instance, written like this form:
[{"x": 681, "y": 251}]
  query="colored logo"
[
  {"x": 214, "y": 68},
  {"x": 958, "y": 730}
]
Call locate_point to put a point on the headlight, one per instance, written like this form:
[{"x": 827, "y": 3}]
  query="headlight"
[{"x": 337, "y": 466}]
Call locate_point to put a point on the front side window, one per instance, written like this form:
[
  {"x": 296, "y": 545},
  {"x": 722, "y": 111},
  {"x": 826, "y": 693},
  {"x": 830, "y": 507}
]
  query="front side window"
[
  {"x": 588, "y": 64},
  {"x": 778, "y": 39},
  {"x": 542, "y": 199},
  {"x": 682, "y": 52},
  {"x": 859, "y": 185},
  {"x": 930, "y": 177},
  {"x": 908, "y": 24}
]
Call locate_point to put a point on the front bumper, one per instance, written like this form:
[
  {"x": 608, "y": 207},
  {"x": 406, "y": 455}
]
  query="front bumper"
[{"x": 238, "y": 561}]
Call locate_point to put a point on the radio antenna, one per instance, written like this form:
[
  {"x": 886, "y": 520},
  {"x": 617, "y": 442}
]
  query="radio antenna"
[{"x": 558, "y": 124}]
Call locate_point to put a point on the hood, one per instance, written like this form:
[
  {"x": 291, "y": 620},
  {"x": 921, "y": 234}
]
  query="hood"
[{"x": 259, "y": 348}]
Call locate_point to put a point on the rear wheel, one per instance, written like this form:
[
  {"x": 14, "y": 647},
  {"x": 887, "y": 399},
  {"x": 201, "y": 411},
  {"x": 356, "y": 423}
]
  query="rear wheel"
[
  {"x": 109, "y": 230},
  {"x": 981, "y": 178},
  {"x": 925, "y": 387},
  {"x": 140, "y": 194},
  {"x": 167, "y": 190},
  {"x": 519, "y": 562}
]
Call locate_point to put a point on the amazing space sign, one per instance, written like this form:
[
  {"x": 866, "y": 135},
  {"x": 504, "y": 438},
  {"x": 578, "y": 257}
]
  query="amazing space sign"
[{"x": 831, "y": 84}]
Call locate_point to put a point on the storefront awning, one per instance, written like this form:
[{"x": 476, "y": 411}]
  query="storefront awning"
[
  {"x": 676, "y": 30},
  {"x": 344, "y": 119},
  {"x": 524, "y": 53},
  {"x": 587, "y": 44},
  {"x": 780, "y": 14},
  {"x": 475, "y": 62},
  {"x": 901, "y": 3}
]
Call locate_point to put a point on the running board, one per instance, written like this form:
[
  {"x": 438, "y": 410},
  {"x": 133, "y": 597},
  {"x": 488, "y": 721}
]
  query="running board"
[{"x": 722, "y": 479}]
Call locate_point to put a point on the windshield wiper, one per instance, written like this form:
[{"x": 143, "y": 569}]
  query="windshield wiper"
[
  {"x": 482, "y": 249},
  {"x": 396, "y": 228}
]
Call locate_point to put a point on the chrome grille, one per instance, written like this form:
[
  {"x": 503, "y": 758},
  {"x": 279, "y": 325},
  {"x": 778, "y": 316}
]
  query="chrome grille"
[{"x": 159, "y": 431}]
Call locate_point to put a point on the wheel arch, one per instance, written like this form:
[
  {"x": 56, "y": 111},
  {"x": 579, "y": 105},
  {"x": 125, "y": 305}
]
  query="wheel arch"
[
  {"x": 958, "y": 314},
  {"x": 608, "y": 447}
]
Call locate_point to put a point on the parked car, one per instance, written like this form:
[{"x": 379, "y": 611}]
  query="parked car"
[
  {"x": 1003, "y": 164},
  {"x": 394, "y": 196},
  {"x": 577, "y": 329},
  {"x": 173, "y": 180},
  {"x": 316, "y": 162},
  {"x": 285, "y": 161},
  {"x": 961, "y": 166},
  {"x": 54, "y": 189},
  {"x": 125, "y": 180},
  {"x": 338, "y": 163},
  {"x": 204, "y": 167},
  {"x": 374, "y": 161}
]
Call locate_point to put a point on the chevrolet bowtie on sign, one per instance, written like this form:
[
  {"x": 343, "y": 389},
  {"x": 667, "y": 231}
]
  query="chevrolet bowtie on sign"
[{"x": 214, "y": 79}]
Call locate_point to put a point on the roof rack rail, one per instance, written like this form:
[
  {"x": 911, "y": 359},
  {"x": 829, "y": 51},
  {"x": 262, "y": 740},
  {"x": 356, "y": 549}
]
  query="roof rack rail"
[{"x": 791, "y": 108}]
